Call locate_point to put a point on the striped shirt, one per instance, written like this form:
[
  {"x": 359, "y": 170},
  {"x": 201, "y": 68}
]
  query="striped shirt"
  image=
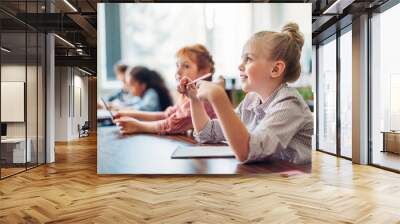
[
  {"x": 178, "y": 118},
  {"x": 281, "y": 128}
]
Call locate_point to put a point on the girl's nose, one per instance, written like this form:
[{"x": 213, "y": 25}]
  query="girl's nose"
[
  {"x": 241, "y": 67},
  {"x": 179, "y": 71}
]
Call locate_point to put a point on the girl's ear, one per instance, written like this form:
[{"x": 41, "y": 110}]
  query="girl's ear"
[
  {"x": 204, "y": 71},
  {"x": 278, "y": 69},
  {"x": 143, "y": 86}
]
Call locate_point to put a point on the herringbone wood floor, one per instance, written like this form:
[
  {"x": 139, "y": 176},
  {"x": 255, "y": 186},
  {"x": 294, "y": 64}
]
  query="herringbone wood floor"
[{"x": 70, "y": 191}]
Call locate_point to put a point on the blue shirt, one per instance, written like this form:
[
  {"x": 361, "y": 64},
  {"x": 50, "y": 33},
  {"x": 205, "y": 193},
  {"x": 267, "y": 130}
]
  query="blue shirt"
[
  {"x": 150, "y": 101},
  {"x": 123, "y": 98}
]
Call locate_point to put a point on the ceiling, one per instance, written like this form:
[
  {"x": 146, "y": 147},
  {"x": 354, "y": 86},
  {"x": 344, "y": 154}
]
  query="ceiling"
[{"x": 76, "y": 21}]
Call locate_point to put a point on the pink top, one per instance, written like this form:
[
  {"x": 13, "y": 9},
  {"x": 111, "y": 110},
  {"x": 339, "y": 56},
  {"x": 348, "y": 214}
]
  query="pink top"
[{"x": 178, "y": 119}]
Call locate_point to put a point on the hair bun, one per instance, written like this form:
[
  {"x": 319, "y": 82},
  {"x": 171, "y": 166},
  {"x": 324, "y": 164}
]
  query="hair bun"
[{"x": 292, "y": 30}]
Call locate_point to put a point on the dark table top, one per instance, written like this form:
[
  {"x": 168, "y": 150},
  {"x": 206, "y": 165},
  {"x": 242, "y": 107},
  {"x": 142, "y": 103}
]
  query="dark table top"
[{"x": 151, "y": 154}]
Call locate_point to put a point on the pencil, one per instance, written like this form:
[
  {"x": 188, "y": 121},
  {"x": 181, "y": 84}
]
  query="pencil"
[
  {"x": 201, "y": 78},
  {"x": 105, "y": 104}
]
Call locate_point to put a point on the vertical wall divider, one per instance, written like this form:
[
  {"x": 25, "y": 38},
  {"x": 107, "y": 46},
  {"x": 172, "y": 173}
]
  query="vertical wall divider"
[
  {"x": 37, "y": 89},
  {"x": 316, "y": 97},
  {"x": 338, "y": 73},
  {"x": 369, "y": 87},
  {"x": 73, "y": 93},
  {"x": 26, "y": 86},
  {"x": 60, "y": 86},
  {"x": 44, "y": 80},
  {"x": 0, "y": 95},
  {"x": 69, "y": 92}
]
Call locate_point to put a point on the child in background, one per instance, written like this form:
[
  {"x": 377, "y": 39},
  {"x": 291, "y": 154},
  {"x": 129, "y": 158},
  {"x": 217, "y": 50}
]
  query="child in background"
[
  {"x": 149, "y": 87},
  {"x": 122, "y": 98},
  {"x": 192, "y": 62},
  {"x": 273, "y": 122}
]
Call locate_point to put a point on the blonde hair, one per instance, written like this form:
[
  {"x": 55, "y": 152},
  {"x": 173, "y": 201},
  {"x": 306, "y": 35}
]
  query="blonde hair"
[
  {"x": 199, "y": 55},
  {"x": 285, "y": 45}
]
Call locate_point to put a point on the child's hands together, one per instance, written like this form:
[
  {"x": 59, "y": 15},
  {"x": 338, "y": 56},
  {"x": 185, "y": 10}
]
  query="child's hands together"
[
  {"x": 186, "y": 88},
  {"x": 203, "y": 90}
]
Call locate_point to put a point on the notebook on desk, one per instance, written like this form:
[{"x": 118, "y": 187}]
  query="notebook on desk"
[{"x": 183, "y": 152}]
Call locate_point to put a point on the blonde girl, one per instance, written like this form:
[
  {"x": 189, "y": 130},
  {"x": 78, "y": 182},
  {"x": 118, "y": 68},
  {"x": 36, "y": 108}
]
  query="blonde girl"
[{"x": 273, "y": 122}]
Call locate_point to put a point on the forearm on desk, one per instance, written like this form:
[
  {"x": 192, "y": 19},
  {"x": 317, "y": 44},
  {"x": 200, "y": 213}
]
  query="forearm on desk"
[
  {"x": 150, "y": 127},
  {"x": 199, "y": 115},
  {"x": 234, "y": 130},
  {"x": 148, "y": 116}
]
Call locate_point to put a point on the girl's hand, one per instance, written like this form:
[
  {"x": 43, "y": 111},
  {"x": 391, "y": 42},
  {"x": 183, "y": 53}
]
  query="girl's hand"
[
  {"x": 181, "y": 88},
  {"x": 209, "y": 90},
  {"x": 128, "y": 125},
  {"x": 120, "y": 114},
  {"x": 187, "y": 89},
  {"x": 191, "y": 92}
]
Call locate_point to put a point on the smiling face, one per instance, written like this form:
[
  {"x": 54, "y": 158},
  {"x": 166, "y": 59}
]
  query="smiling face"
[{"x": 255, "y": 69}]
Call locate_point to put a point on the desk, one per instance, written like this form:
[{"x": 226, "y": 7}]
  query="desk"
[
  {"x": 13, "y": 150},
  {"x": 151, "y": 154}
]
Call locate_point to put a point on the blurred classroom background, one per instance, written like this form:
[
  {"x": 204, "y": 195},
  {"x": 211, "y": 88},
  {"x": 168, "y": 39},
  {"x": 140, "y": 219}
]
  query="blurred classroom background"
[{"x": 150, "y": 35}]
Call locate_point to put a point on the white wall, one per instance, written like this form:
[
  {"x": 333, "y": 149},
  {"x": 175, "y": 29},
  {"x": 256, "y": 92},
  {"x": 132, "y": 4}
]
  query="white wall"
[
  {"x": 62, "y": 81},
  {"x": 80, "y": 108},
  {"x": 14, "y": 73},
  {"x": 71, "y": 102}
]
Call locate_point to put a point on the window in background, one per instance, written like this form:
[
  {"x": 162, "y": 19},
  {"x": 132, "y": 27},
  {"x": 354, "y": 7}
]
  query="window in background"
[
  {"x": 385, "y": 84},
  {"x": 151, "y": 34},
  {"x": 346, "y": 94},
  {"x": 314, "y": 101},
  {"x": 217, "y": 26},
  {"x": 394, "y": 101},
  {"x": 327, "y": 96},
  {"x": 113, "y": 33}
]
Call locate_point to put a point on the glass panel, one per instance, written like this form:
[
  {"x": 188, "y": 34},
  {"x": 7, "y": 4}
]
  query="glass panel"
[
  {"x": 327, "y": 97},
  {"x": 13, "y": 85},
  {"x": 32, "y": 86},
  {"x": 385, "y": 84},
  {"x": 31, "y": 98},
  {"x": 346, "y": 94},
  {"x": 23, "y": 89},
  {"x": 41, "y": 99}
]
